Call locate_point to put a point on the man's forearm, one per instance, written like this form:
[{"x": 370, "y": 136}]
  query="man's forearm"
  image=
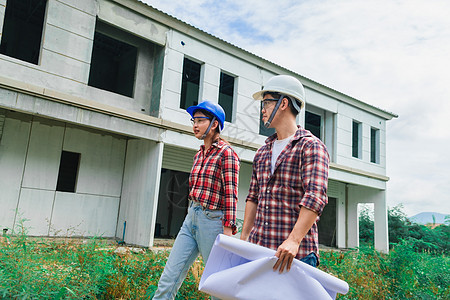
[
  {"x": 306, "y": 219},
  {"x": 249, "y": 219}
]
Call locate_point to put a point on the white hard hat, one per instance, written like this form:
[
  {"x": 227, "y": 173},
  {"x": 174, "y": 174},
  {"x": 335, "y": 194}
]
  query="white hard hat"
[{"x": 285, "y": 85}]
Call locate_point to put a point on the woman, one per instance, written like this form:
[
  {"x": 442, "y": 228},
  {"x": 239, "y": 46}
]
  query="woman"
[{"x": 213, "y": 190}]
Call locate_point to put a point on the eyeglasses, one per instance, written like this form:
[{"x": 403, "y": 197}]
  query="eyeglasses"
[
  {"x": 265, "y": 103},
  {"x": 198, "y": 120}
]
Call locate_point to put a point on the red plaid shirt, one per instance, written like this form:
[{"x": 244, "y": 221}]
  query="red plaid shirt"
[
  {"x": 300, "y": 179},
  {"x": 214, "y": 180}
]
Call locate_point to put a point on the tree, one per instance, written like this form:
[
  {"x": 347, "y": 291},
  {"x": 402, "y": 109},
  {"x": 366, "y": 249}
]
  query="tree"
[{"x": 420, "y": 237}]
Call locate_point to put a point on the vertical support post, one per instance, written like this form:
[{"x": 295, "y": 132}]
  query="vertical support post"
[{"x": 381, "y": 223}]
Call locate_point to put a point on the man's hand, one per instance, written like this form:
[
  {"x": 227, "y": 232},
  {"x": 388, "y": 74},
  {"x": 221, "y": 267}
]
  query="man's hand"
[{"x": 286, "y": 253}]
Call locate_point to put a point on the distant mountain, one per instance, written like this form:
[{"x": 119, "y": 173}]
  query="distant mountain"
[{"x": 427, "y": 218}]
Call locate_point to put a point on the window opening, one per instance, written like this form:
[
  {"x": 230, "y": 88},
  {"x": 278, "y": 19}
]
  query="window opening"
[
  {"x": 68, "y": 172},
  {"x": 172, "y": 202},
  {"x": 226, "y": 91},
  {"x": 327, "y": 224},
  {"x": 374, "y": 145},
  {"x": 22, "y": 29},
  {"x": 313, "y": 123},
  {"x": 356, "y": 139},
  {"x": 113, "y": 65},
  {"x": 190, "y": 85}
]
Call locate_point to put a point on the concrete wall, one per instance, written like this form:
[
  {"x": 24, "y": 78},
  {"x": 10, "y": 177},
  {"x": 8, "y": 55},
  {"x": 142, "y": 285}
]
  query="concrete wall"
[
  {"x": 346, "y": 115},
  {"x": 29, "y": 164},
  {"x": 139, "y": 197},
  {"x": 66, "y": 52},
  {"x": 249, "y": 79},
  {"x": 13, "y": 149}
]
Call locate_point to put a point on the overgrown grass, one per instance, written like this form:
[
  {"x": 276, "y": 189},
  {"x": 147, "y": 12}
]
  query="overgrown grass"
[
  {"x": 50, "y": 269},
  {"x": 33, "y": 268},
  {"x": 402, "y": 274}
]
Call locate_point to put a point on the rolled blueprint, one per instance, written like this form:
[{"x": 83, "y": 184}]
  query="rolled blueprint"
[{"x": 241, "y": 270}]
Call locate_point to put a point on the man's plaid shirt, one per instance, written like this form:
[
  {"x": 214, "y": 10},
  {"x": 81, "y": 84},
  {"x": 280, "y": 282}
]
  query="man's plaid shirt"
[
  {"x": 300, "y": 179},
  {"x": 214, "y": 180}
]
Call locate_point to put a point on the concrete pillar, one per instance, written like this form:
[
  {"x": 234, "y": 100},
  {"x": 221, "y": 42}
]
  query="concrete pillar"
[
  {"x": 360, "y": 194},
  {"x": 381, "y": 223},
  {"x": 352, "y": 220},
  {"x": 140, "y": 189}
]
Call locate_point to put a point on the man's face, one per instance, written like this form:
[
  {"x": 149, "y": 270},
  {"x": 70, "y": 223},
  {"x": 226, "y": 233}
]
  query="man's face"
[{"x": 268, "y": 105}]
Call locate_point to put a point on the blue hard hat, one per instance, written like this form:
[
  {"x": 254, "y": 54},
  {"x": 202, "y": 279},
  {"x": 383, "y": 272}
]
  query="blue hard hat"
[{"x": 211, "y": 107}]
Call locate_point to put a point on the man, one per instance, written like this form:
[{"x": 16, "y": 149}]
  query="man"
[{"x": 289, "y": 182}]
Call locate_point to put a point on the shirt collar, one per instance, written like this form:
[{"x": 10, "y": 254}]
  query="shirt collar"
[
  {"x": 298, "y": 135},
  {"x": 218, "y": 144}
]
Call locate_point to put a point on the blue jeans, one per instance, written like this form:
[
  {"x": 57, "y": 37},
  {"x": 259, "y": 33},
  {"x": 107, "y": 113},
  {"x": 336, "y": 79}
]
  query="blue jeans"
[
  {"x": 310, "y": 259},
  {"x": 197, "y": 235}
]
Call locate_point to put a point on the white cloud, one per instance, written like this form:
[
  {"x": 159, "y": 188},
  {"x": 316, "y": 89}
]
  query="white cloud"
[{"x": 391, "y": 54}]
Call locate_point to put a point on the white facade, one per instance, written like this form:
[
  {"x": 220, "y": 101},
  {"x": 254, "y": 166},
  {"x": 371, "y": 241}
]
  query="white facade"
[{"x": 136, "y": 151}]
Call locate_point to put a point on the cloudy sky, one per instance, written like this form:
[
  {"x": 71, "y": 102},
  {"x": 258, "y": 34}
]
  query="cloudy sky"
[{"x": 392, "y": 54}]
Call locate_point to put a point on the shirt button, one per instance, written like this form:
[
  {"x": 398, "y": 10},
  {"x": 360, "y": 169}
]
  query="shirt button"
[
  {"x": 267, "y": 223},
  {"x": 268, "y": 191},
  {"x": 267, "y": 207}
]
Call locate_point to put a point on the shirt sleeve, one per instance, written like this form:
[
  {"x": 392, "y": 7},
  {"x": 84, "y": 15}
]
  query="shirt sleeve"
[
  {"x": 253, "y": 191},
  {"x": 230, "y": 179},
  {"x": 314, "y": 172}
]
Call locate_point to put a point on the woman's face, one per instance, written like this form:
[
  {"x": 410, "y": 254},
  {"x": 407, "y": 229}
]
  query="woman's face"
[{"x": 200, "y": 124}]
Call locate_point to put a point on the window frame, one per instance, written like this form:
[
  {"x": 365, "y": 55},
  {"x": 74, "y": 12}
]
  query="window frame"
[
  {"x": 184, "y": 82},
  {"x": 230, "y": 116}
]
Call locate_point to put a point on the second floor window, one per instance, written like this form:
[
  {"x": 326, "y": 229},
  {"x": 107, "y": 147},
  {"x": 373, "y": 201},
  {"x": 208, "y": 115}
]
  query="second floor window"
[
  {"x": 374, "y": 145},
  {"x": 226, "y": 92},
  {"x": 313, "y": 123},
  {"x": 22, "y": 29},
  {"x": 190, "y": 85},
  {"x": 113, "y": 65},
  {"x": 356, "y": 139}
]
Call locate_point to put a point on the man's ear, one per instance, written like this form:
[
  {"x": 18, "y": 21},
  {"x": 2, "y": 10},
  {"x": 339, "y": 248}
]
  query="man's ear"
[{"x": 284, "y": 103}]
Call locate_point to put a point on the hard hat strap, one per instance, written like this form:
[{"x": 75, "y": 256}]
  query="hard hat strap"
[
  {"x": 209, "y": 128},
  {"x": 272, "y": 115}
]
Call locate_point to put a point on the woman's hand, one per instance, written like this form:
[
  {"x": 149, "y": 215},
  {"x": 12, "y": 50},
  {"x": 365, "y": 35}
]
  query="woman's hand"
[{"x": 227, "y": 231}]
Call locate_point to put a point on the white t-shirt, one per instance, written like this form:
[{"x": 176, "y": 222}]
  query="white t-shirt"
[{"x": 277, "y": 148}]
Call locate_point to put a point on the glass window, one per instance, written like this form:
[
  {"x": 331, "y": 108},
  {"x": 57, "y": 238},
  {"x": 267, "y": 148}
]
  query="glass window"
[
  {"x": 356, "y": 139},
  {"x": 22, "y": 29},
  {"x": 226, "y": 92},
  {"x": 190, "y": 85},
  {"x": 113, "y": 65},
  {"x": 313, "y": 123},
  {"x": 375, "y": 145},
  {"x": 68, "y": 172}
]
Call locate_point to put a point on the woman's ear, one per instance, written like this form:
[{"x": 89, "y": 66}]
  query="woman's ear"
[{"x": 215, "y": 125}]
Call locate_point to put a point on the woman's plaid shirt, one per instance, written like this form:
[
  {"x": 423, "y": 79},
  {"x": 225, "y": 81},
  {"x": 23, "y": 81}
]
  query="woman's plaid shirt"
[
  {"x": 214, "y": 180},
  {"x": 300, "y": 179}
]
